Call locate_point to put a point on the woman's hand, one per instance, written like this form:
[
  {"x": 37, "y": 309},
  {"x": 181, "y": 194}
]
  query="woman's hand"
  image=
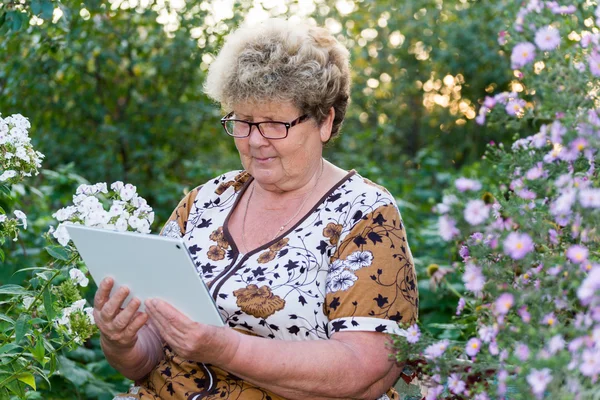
[
  {"x": 119, "y": 326},
  {"x": 192, "y": 340}
]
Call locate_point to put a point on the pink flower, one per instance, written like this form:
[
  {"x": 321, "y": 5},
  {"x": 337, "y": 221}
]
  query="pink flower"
[
  {"x": 589, "y": 287},
  {"x": 517, "y": 245},
  {"x": 549, "y": 319},
  {"x": 413, "y": 334},
  {"x": 447, "y": 228},
  {"x": 522, "y": 352},
  {"x": 437, "y": 349},
  {"x": 465, "y": 184},
  {"x": 594, "y": 61},
  {"x": 577, "y": 253},
  {"x": 455, "y": 385},
  {"x": 473, "y": 278},
  {"x": 503, "y": 303},
  {"x": 522, "y": 54},
  {"x": 535, "y": 172},
  {"x": 476, "y": 212},
  {"x": 589, "y": 198},
  {"x": 515, "y": 107},
  {"x": 461, "y": 306},
  {"x": 473, "y": 347},
  {"x": 538, "y": 380},
  {"x": 547, "y": 38}
]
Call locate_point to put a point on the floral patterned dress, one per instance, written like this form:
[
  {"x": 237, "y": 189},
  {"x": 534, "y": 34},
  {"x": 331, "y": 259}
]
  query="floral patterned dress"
[{"x": 345, "y": 266}]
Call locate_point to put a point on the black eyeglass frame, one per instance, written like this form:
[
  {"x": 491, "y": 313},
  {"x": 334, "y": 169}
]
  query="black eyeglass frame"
[{"x": 287, "y": 125}]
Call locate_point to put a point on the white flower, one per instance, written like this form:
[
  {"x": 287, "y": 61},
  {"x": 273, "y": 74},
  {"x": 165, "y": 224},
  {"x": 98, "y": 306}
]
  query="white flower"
[
  {"x": 2, "y": 218},
  {"x": 64, "y": 213},
  {"x": 79, "y": 277},
  {"x": 97, "y": 218},
  {"x": 342, "y": 281},
  {"x": 62, "y": 235},
  {"x": 22, "y": 217},
  {"x": 127, "y": 192},
  {"x": 89, "y": 311},
  {"x": 465, "y": 184},
  {"x": 359, "y": 259},
  {"x": 121, "y": 225},
  {"x": 117, "y": 186},
  {"x": 476, "y": 212},
  {"x": 143, "y": 226},
  {"x": 6, "y": 175},
  {"x": 116, "y": 209},
  {"x": 28, "y": 301}
]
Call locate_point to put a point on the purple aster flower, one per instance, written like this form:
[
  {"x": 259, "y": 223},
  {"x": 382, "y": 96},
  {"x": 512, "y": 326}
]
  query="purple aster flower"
[
  {"x": 464, "y": 252},
  {"x": 466, "y": 184},
  {"x": 503, "y": 303},
  {"x": 493, "y": 348},
  {"x": 553, "y": 236},
  {"x": 413, "y": 334},
  {"x": 487, "y": 333},
  {"x": 476, "y": 212},
  {"x": 538, "y": 380},
  {"x": 535, "y": 172},
  {"x": 435, "y": 350},
  {"x": 461, "y": 306},
  {"x": 455, "y": 384},
  {"x": 522, "y": 351},
  {"x": 589, "y": 287},
  {"x": 594, "y": 62},
  {"x": 556, "y": 9},
  {"x": 590, "y": 362},
  {"x": 577, "y": 253},
  {"x": 473, "y": 278},
  {"x": 517, "y": 245},
  {"x": 473, "y": 346},
  {"x": 481, "y": 396},
  {"x": 547, "y": 38},
  {"x": 515, "y": 107},
  {"x": 556, "y": 344},
  {"x": 589, "y": 198},
  {"x": 549, "y": 319},
  {"x": 579, "y": 144},
  {"x": 447, "y": 228},
  {"x": 522, "y": 54}
]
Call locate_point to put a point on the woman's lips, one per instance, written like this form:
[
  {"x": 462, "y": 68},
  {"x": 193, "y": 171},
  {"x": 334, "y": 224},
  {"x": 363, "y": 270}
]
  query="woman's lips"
[{"x": 264, "y": 160}]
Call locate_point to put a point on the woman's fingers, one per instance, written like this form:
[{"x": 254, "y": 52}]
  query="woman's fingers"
[
  {"x": 123, "y": 319},
  {"x": 137, "y": 322},
  {"x": 113, "y": 306},
  {"x": 103, "y": 293}
]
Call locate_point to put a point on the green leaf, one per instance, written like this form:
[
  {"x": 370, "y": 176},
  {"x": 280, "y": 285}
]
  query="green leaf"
[
  {"x": 58, "y": 252},
  {"x": 39, "y": 351},
  {"x": 4, "y": 317},
  {"x": 73, "y": 372},
  {"x": 36, "y": 7},
  {"x": 7, "y": 348},
  {"x": 47, "y": 9},
  {"x": 16, "y": 20},
  {"x": 48, "y": 304},
  {"x": 27, "y": 378},
  {"x": 21, "y": 327},
  {"x": 445, "y": 326},
  {"x": 1, "y": 255},
  {"x": 12, "y": 289}
]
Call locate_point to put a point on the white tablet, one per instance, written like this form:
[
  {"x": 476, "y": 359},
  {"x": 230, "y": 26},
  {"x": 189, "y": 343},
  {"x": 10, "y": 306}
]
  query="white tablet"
[{"x": 150, "y": 266}]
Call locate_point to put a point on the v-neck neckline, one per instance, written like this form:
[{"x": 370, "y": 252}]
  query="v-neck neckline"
[{"x": 231, "y": 241}]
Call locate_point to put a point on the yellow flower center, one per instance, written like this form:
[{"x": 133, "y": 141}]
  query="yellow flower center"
[
  {"x": 519, "y": 245},
  {"x": 550, "y": 321}
]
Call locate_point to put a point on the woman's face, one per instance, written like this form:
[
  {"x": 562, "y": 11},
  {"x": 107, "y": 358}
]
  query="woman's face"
[{"x": 281, "y": 164}]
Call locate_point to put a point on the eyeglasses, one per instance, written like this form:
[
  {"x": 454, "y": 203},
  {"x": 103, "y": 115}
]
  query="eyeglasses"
[{"x": 239, "y": 128}]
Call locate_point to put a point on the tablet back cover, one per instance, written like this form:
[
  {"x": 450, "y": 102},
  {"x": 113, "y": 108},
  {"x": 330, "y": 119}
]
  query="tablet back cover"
[{"x": 150, "y": 266}]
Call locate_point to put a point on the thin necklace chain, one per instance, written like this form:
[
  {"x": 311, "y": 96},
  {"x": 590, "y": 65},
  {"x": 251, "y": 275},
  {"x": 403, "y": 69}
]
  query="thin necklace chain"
[{"x": 289, "y": 220}]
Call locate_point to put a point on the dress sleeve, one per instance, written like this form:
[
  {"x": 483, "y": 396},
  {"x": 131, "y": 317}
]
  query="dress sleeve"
[
  {"x": 176, "y": 224},
  {"x": 371, "y": 282}
]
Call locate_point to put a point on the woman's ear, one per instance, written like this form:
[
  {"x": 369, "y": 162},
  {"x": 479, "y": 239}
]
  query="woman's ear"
[{"x": 326, "y": 126}]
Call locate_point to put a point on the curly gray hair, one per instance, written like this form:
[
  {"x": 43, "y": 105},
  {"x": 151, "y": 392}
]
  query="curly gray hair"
[{"x": 283, "y": 61}]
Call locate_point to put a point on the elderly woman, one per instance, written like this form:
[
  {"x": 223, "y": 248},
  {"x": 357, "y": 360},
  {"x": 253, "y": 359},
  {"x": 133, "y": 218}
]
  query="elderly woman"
[{"x": 307, "y": 263}]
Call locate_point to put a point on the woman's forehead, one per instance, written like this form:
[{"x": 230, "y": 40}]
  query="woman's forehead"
[{"x": 266, "y": 109}]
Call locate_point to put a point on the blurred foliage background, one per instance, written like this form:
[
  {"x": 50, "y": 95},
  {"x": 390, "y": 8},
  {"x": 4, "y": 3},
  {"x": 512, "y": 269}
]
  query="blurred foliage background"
[{"x": 113, "y": 90}]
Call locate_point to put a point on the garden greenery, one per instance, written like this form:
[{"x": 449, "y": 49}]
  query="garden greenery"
[{"x": 530, "y": 313}]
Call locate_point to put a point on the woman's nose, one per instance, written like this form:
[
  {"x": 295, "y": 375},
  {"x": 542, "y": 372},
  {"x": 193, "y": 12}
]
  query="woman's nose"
[{"x": 256, "y": 138}]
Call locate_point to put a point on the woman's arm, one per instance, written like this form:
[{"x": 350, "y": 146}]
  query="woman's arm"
[
  {"x": 131, "y": 344},
  {"x": 352, "y": 365}
]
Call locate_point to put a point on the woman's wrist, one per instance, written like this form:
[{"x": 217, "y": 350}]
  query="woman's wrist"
[{"x": 227, "y": 343}]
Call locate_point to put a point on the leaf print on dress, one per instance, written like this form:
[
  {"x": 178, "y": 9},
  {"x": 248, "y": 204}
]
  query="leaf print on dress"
[
  {"x": 258, "y": 302},
  {"x": 342, "y": 281},
  {"x": 171, "y": 229}
]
